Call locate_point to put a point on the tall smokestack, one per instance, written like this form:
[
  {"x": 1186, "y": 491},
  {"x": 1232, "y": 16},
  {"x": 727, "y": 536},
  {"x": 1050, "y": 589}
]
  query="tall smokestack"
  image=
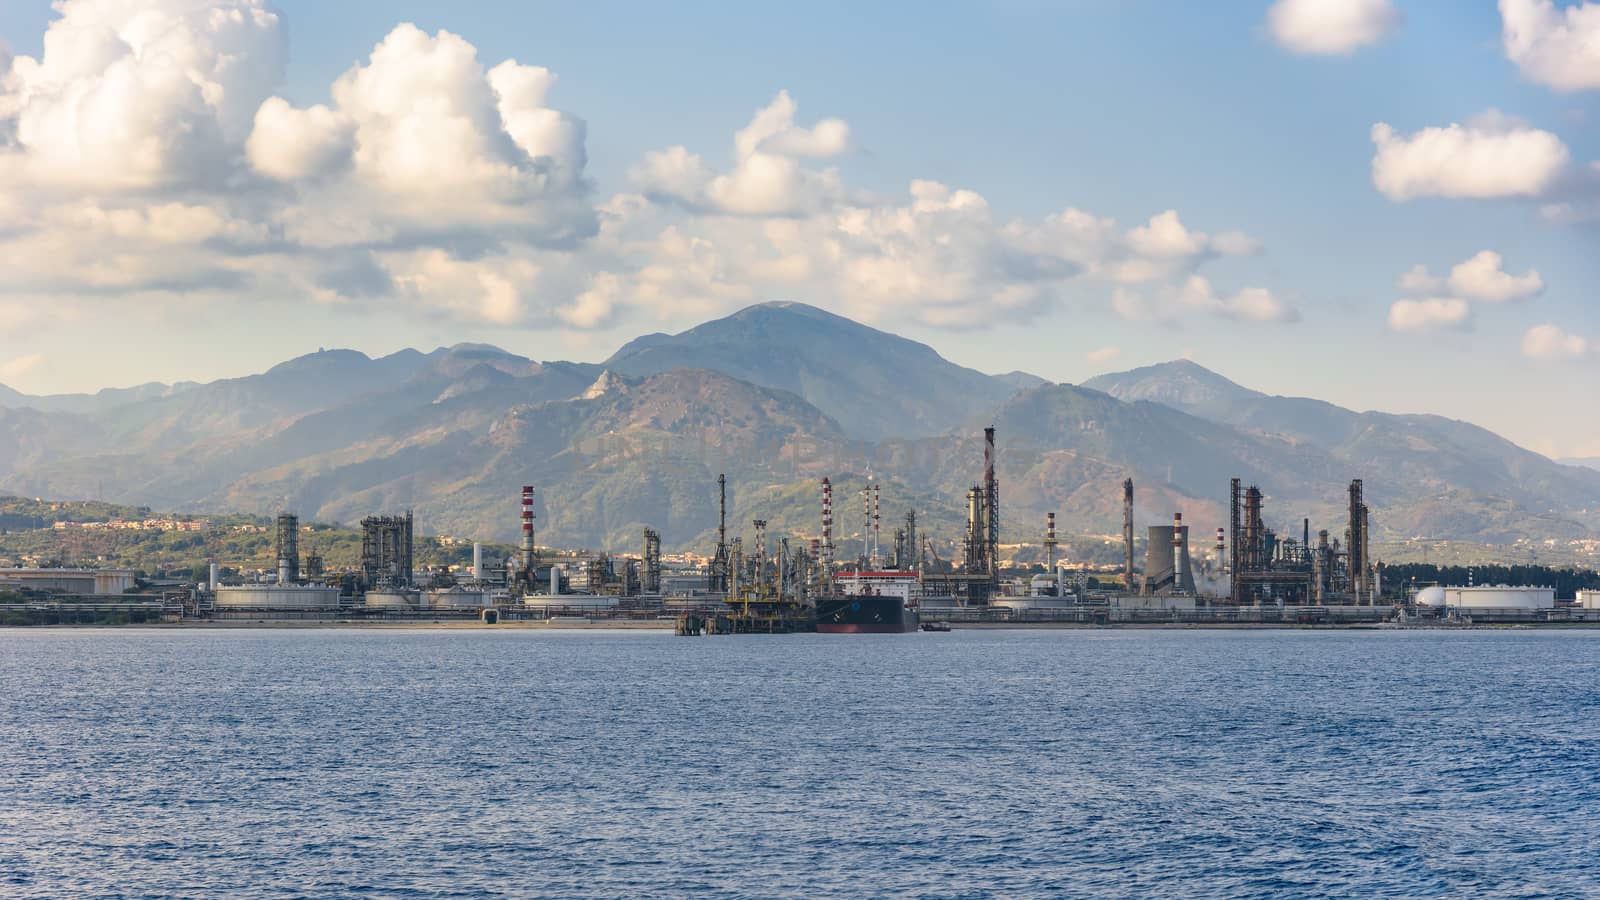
[
  {"x": 527, "y": 529},
  {"x": 991, "y": 503},
  {"x": 1177, "y": 552},
  {"x": 1235, "y": 535},
  {"x": 1357, "y": 541},
  {"x": 288, "y": 548},
  {"x": 827, "y": 530},
  {"x": 1127, "y": 535},
  {"x": 721, "y": 566},
  {"x": 877, "y": 546},
  {"x": 1049, "y": 542}
]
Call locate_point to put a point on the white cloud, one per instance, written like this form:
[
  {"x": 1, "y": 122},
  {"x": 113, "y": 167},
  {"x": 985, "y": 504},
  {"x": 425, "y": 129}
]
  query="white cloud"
[
  {"x": 1165, "y": 236},
  {"x": 768, "y": 177},
  {"x": 293, "y": 144},
  {"x": 1103, "y": 355},
  {"x": 494, "y": 291},
  {"x": 1134, "y": 306},
  {"x": 138, "y": 96},
  {"x": 773, "y": 131},
  {"x": 1483, "y": 277},
  {"x": 435, "y": 185},
  {"x": 1418, "y": 280},
  {"x": 1430, "y": 314},
  {"x": 1490, "y": 156},
  {"x": 18, "y": 366},
  {"x": 1552, "y": 45},
  {"x": 1548, "y": 342},
  {"x": 1331, "y": 27},
  {"x": 143, "y": 154},
  {"x": 1250, "y": 304}
]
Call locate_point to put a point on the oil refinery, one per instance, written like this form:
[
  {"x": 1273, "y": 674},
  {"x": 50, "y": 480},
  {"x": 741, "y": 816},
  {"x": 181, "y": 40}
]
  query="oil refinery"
[{"x": 1252, "y": 574}]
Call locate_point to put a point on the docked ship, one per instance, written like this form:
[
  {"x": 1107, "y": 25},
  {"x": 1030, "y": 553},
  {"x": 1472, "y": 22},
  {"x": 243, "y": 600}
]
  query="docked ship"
[{"x": 869, "y": 602}]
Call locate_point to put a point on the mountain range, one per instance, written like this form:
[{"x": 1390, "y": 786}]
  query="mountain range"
[{"x": 776, "y": 396}]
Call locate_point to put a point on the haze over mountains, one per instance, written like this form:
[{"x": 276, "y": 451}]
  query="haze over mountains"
[{"x": 777, "y": 396}]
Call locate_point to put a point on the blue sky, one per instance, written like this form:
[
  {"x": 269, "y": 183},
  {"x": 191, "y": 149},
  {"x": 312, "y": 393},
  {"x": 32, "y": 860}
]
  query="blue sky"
[{"x": 1121, "y": 111}]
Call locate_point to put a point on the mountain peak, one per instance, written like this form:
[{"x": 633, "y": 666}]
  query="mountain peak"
[
  {"x": 1179, "y": 383},
  {"x": 873, "y": 383}
]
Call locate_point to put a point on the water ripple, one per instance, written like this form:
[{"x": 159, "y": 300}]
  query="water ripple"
[{"x": 304, "y": 763}]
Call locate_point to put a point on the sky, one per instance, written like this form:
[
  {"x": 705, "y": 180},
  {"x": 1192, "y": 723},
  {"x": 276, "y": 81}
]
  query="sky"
[{"x": 1387, "y": 204}]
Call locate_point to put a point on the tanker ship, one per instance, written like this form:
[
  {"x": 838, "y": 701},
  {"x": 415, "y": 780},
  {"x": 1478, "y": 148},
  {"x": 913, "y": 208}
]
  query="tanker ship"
[{"x": 867, "y": 602}]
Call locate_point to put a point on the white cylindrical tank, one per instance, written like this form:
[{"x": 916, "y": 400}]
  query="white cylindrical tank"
[
  {"x": 1500, "y": 597},
  {"x": 216, "y": 576},
  {"x": 570, "y": 601},
  {"x": 477, "y": 560},
  {"x": 456, "y": 598},
  {"x": 1430, "y": 596},
  {"x": 256, "y": 596},
  {"x": 1589, "y": 599},
  {"x": 392, "y": 599}
]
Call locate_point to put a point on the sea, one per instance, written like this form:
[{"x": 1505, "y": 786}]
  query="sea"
[{"x": 462, "y": 762}]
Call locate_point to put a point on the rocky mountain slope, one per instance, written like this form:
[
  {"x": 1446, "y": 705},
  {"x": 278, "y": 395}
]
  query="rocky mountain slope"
[{"x": 777, "y": 397}]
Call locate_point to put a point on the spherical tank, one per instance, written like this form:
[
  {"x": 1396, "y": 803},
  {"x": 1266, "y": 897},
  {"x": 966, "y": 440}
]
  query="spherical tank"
[{"x": 1430, "y": 596}]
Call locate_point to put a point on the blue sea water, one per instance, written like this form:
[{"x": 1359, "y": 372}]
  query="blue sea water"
[{"x": 469, "y": 763}]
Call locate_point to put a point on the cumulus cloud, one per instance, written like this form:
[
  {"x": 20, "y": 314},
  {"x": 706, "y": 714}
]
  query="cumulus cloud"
[
  {"x": 148, "y": 153},
  {"x": 768, "y": 177},
  {"x": 1548, "y": 342},
  {"x": 1103, "y": 355},
  {"x": 1418, "y": 280},
  {"x": 1250, "y": 304},
  {"x": 1430, "y": 314},
  {"x": 294, "y": 144},
  {"x": 1331, "y": 27},
  {"x": 1483, "y": 277},
  {"x": 144, "y": 151},
  {"x": 1169, "y": 303},
  {"x": 1490, "y": 156},
  {"x": 138, "y": 96},
  {"x": 1552, "y": 45},
  {"x": 775, "y": 225}
]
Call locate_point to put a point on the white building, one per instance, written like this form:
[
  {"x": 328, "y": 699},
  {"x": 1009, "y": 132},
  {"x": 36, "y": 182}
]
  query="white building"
[{"x": 71, "y": 581}]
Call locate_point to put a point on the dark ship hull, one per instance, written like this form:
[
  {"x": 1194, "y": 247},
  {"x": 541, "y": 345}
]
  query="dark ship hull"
[{"x": 865, "y": 614}]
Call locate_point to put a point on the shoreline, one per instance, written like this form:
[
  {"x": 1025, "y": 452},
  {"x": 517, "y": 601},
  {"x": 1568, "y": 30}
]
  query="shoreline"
[{"x": 667, "y": 626}]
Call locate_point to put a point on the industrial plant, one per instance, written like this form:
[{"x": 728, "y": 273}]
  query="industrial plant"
[{"x": 1252, "y": 574}]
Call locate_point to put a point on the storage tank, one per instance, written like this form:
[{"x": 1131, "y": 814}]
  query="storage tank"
[
  {"x": 456, "y": 598},
  {"x": 1430, "y": 596},
  {"x": 392, "y": 599},
  {"x": 590, "y": 602},
  {"x": 1500, "y": 597},
  {"x": 1588, "y": 600},
  {"x": 273, "y": 596}
]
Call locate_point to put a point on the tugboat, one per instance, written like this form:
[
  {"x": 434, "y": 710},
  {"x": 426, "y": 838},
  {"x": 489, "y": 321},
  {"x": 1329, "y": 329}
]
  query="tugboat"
[{"x": 870, "y": 602}]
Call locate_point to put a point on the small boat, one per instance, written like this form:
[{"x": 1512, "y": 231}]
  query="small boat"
[{"x": 935, "y": 626}]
